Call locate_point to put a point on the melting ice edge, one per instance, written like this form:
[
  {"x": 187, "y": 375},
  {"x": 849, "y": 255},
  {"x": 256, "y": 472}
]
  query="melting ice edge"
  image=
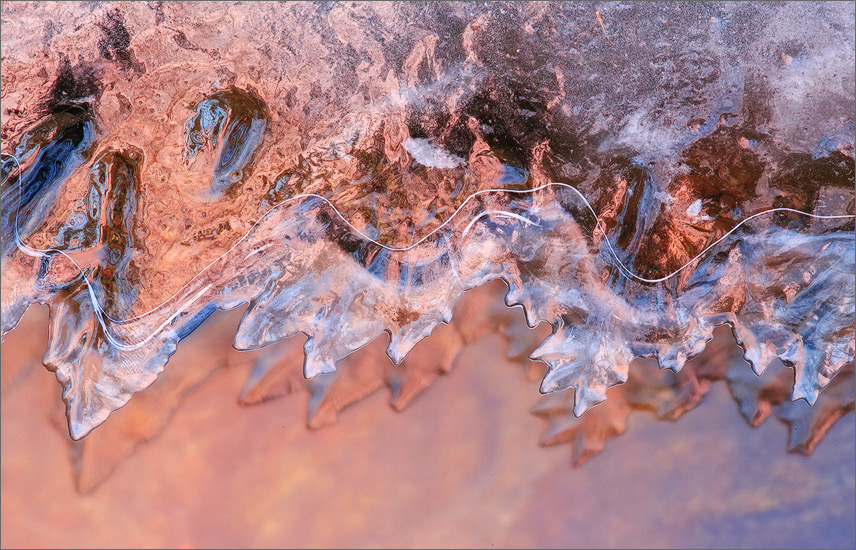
[
  {"x": 739, "y": 107},
  {"x": 787, "y": 293}
]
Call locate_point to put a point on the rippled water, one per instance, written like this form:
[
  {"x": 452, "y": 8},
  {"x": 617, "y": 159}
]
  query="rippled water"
[{"x": 636, "y": 177}]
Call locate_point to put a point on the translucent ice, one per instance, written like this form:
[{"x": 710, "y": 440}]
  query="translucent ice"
[{"x": 347, "y": 173}]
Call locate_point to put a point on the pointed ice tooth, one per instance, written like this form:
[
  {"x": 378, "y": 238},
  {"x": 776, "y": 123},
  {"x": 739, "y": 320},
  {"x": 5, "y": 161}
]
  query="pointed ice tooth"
[
  {"x": 808, "y": 381},
  {"x": 242, "y": 340},
  {"x": 552, "y": 347},
  {"x": 404, "y": 340},
  {"x": 558, "y": 378},
  {"x": 263, "y": 324},
  {"x": 79, "y": 425},
  {"x": 399, "y": 347},
  {"x": 759, "y": 354},
  {"x": 398, "y": 350},
  {"x": 759, "y": 357},
  {"x": 312, "y": 367},
  {"x": 315, "y": 363},
  {"x": 803, "y": 393},
  {"x": 533, "y": 319},
  {"x": 515, "y": 290},
  {"x": 673, "y": 360},
  {"x": 586, "y": 397}
]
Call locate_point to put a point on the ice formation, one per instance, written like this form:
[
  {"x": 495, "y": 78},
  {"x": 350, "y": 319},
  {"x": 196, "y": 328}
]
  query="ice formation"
[{"x": 352, "y": 170}]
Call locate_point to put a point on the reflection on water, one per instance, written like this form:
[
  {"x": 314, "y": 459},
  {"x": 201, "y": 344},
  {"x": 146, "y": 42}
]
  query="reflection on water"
[
  {"x": 460, "y": 466},
  {"x": 350, "y": 170}
]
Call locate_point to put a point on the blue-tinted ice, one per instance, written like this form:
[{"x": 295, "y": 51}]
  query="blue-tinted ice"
[{"x": 352, "y": 170}]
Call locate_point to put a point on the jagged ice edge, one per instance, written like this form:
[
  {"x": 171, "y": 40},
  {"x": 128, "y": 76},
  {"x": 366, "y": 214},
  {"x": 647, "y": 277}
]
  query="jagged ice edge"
[{"x": 102, "y": 315}]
